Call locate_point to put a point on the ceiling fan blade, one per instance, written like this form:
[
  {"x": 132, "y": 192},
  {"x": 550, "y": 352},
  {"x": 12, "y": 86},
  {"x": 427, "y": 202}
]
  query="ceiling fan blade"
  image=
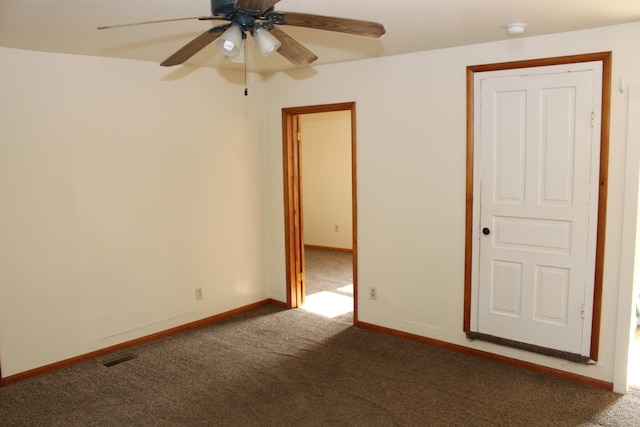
[
  {"x": 261, "y": 5},
  {"x": 201, "y": 18},
  {"x": 193, "y": 47},
  {"x": 342, "y": 25},
  {"x": 292, "y": 50}
]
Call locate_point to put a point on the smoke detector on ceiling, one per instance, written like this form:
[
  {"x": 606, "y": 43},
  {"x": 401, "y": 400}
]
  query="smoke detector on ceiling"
[{"x": 515, "y": 29}]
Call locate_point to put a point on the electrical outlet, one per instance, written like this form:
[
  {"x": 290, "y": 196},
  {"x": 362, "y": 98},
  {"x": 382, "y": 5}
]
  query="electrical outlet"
[
  {"x": 199, "y": 293},
  {"x": 373, "y": 292}
]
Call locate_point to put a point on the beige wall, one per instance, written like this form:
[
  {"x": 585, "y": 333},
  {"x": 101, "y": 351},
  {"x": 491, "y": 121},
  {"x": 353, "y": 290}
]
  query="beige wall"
[
  {"x": 326, "y": 174},
  {"x": 123, "y": 187},
  {"x": 411, "y": 150}
]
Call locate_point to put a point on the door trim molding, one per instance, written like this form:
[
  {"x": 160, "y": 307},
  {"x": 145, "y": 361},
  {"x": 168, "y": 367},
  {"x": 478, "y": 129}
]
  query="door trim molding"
[
  {"x": 293, "y": 291},
  {"x": 606, "y": 59}
]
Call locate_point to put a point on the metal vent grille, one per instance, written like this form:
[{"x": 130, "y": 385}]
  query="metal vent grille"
[{"x": 119, "y": 360}]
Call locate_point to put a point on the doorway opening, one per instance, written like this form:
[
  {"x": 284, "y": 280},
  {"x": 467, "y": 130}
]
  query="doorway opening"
[
  {"x": 320, "y": 208},
  {"x": 633, "y": 371},
  {"x": 633, "y": 209}
]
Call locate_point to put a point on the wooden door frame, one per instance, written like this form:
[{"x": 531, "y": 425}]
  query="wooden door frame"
[
  {"x": 290, "y": 160},
  {"x": 606, "y": 59}
]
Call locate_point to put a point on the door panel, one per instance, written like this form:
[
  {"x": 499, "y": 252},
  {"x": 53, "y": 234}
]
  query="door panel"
[
  {"x": 557, "y": 148},
  {"x": 532, "y": 234},
  {"x": 506, "y": 288},
  {"x": 551, "y": 295},
  {"x": 538, "y": 206},
  {"x": 510, "y": 143}
]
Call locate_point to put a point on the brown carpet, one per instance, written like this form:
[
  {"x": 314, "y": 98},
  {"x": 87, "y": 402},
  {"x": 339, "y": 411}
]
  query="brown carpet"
[
  {"x": 327, "y": 270},
  {"x": 276, "y": 367}
]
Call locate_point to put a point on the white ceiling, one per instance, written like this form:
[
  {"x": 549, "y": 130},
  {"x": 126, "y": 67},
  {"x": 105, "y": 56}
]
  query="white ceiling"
[{"x": 69, "y": 26}]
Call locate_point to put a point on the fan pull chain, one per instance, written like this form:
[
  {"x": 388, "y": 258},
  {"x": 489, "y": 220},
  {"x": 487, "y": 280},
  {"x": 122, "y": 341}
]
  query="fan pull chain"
[{"x": 246, "y": 90}]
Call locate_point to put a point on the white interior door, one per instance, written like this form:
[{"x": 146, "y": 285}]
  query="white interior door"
[{"x": 538, "y": 170}]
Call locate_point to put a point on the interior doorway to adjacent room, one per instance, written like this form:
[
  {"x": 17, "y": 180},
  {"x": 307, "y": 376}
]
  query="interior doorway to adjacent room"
[
  {"x": 633, "y": 157},
  {"x": 320, "y": 208}
]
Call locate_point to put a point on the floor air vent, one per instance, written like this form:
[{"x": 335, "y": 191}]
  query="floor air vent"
[{"x": 119, "y": 360}]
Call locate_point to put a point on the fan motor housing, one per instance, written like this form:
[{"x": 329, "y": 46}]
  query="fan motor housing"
[
  {"x": 244, "y": 20},
  {"x": 222, "y": 7}
]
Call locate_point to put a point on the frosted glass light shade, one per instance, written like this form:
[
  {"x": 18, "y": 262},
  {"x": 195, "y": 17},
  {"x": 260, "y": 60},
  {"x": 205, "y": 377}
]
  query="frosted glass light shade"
[
  {"x": 230, "y": 42},
  {"x": 239, "y": 58},
  {"x": 266, "y": 42}
]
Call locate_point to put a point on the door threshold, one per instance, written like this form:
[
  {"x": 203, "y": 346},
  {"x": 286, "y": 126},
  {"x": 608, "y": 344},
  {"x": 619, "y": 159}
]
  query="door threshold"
[{"x": 560, "y": 354}]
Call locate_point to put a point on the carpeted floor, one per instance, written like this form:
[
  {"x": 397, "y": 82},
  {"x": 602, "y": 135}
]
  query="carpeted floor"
[
  {"x": 327, "y": 270},
  {"x": 277, "y": 367}
]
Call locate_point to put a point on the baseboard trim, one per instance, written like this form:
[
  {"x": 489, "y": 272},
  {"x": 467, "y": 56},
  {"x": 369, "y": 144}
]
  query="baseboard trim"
[
  {"x": 486, "y": 355},
  {"x": 132, "y": 343},
  {"x": 328, "y": 248},
  {"x": 381, "y": 329},
  {"x": 278, "y": 303}
]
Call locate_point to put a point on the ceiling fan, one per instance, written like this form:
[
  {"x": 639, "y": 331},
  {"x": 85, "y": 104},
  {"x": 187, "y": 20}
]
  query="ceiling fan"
[{"x": 259, "y": 18}]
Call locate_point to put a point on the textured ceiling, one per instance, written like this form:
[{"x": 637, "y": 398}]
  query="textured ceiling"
[{"x": 69, "y": 26}]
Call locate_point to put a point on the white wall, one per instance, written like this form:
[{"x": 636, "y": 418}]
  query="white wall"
[
  {"x": 411, "y": 126},
  {"x": 123, "y": 186},
  {"x": 326, "y": 176}
]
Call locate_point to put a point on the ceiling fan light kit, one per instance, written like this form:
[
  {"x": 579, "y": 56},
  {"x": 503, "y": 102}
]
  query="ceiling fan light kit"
[{"x": 259, "y": 19}]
